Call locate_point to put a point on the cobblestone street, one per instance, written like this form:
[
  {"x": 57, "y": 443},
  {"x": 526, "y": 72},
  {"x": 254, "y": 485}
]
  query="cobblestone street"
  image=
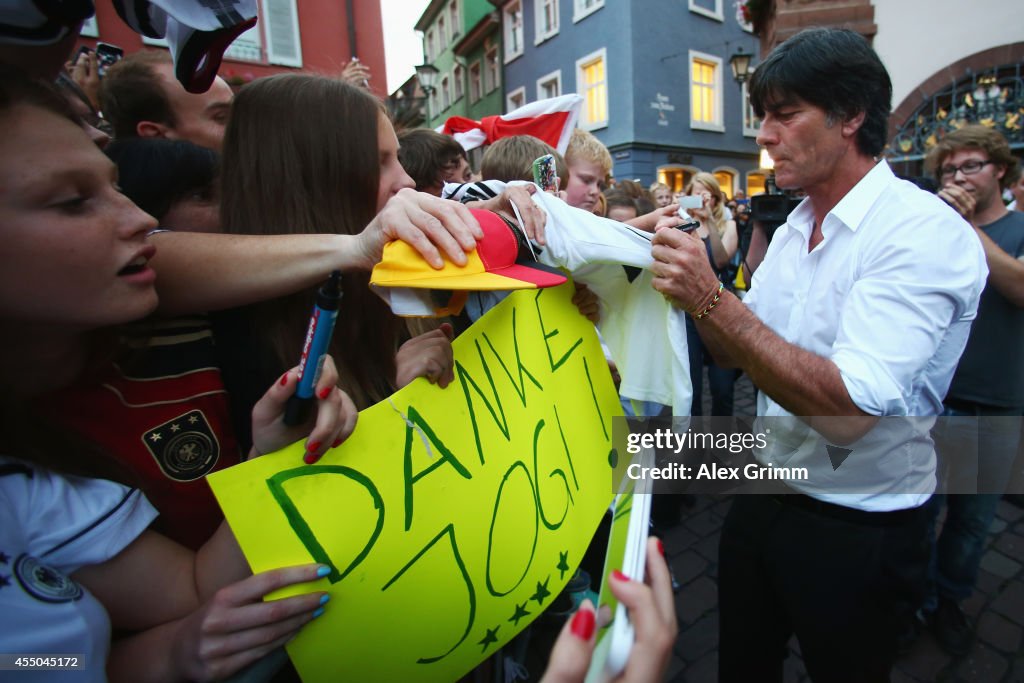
[{"x": 997, "y": 605}]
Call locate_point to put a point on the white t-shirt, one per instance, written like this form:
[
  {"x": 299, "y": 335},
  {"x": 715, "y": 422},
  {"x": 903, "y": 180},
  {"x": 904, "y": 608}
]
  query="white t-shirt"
[
  {"x": 888, "y": 296},
  {"x": 50, "y": 526}
]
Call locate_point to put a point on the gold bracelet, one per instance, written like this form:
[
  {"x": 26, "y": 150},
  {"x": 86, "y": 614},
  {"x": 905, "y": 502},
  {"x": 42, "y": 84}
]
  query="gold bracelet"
[{"x": 714, "y": 302}]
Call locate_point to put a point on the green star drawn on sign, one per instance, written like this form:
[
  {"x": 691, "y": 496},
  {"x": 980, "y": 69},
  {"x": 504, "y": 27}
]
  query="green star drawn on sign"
[
  {"x": 520, "y": 613},
  {"x": 541, "y": 592},
  {"x": 563, "y": 564},
  {"x": 491, "y": 637}
]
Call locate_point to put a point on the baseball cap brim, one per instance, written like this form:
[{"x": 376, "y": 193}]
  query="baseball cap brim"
[{"x": 403, "y": 266}]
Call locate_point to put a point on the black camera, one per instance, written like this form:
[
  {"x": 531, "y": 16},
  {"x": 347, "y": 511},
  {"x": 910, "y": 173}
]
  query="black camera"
[{"x": 771, "y": 211}]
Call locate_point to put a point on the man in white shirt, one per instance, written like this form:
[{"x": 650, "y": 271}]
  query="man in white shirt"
[{"x": 859, "y": 311}]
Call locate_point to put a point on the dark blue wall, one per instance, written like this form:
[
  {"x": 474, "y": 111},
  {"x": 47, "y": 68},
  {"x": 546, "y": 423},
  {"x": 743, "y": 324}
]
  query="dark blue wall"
[{"x": 647, "y": 59}]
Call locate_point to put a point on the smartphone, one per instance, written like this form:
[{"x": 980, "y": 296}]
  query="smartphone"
[
  {"x": 545, "y": 174},
  {"x": 627, "y": 551},
  {"x": 693, "y": 202},
  {"x": 83, "y": 50},
  {"x": 107, "y": 55}
]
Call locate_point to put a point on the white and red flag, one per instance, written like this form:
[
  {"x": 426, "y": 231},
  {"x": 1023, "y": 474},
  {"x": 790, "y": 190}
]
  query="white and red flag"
[{"x": 552, "y": 120}]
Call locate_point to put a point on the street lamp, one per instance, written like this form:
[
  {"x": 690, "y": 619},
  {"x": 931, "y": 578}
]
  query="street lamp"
[
  {"x": 427, "y": 74},
  {"x": 740, "y": 63}
]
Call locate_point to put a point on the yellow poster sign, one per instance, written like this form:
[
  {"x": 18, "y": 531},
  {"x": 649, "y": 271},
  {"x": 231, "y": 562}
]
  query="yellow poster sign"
[{"x": 452, "y": 517}]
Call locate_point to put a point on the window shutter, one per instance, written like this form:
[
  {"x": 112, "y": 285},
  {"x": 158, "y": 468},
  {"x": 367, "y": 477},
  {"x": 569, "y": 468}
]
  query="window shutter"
[
  {"x": 284, "y": 46},
  {"x": 247, "y": 47}
]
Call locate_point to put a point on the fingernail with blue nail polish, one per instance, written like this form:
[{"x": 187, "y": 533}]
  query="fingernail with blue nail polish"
[
  {"x": 324, "y": 598},
  {"x": 317, "y": 613},
  {"x": 323, "y": 571}
]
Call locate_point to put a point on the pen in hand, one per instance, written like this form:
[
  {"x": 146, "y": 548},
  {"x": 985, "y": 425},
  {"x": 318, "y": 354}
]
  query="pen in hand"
[
  {"x": 318, "y": 339},
  {"x": 688, "y": 226}
]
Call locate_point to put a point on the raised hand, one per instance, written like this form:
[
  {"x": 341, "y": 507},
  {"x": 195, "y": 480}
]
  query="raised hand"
[{"x": 428, "y": 355}]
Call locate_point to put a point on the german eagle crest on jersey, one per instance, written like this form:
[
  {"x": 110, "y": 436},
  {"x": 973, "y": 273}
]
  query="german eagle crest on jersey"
[{"x": 185, "y": 447}]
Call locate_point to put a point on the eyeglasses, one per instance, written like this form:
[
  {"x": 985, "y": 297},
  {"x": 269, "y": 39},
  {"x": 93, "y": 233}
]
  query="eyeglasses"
[{"x": 967, "y": 168}]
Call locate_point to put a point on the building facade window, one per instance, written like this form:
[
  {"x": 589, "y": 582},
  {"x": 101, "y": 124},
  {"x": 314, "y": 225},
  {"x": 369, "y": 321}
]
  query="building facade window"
[
  {"x": 755, "y": 183},
  {"x": 442, "y": 34},
  {"x": 475, "y": 85},
  {"x": 513, "y": 30},
  {"x": 592, "y": 84},
  {"x": 709, "y": 8},
  {"x": 546, "y": 20},
  {"x": 751, "y": 123},
  {"x": 428, "y": 46},
  {"x": 454, "y": 20},
  {"x": 584, "y": 8},
  {"x": 515, "y": 99},
  {"x": 281, "y": 22},
  {"x": 446, "y": 94},
  {"x": 705, "y": 92},
  {"x": 458, "y": 76},
  {"x": 741, "y": 20},
  {"x": 246, "y": 47},
  {"x": 274, "y": 40},
  {"x": 492, "y": 70},
  {"x": 676, "y": 177},
  {"x": 550, "y": 85},
  {"x": 726, "y": 178}
]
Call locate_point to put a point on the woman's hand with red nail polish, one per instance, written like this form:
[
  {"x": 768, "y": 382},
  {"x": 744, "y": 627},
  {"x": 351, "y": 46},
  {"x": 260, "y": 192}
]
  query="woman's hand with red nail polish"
[
  {"x": 570, "y": 657},
  {"x": 333, "y": 422},
  {"x": 651, "y": 610}
]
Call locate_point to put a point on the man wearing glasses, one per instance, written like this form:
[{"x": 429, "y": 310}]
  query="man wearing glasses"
[{"x": 973, "y": 165}]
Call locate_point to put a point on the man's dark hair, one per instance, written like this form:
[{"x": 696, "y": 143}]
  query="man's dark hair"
[
  {"x": 425, "y": 153},
  {"x": 834, "y": 69},
  {"x": 132, "y": 92},
  {"x": 157, "y": 173}
]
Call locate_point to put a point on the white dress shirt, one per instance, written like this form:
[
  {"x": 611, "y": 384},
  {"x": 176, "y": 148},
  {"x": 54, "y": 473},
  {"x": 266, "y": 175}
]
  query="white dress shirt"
[{"x": 888, "y": 296}]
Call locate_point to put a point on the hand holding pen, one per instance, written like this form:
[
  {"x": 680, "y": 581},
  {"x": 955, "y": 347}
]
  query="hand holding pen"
[
  {"x": 312, "y": 384},
  {"x": 314, "y": 349},
  {"x": 333, "y": 421},
  {"x": 687, "y": 226}
]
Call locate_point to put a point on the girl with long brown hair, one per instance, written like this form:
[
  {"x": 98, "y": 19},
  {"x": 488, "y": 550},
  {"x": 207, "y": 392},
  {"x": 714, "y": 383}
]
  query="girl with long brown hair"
[{"x": 304, "y": 154}]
